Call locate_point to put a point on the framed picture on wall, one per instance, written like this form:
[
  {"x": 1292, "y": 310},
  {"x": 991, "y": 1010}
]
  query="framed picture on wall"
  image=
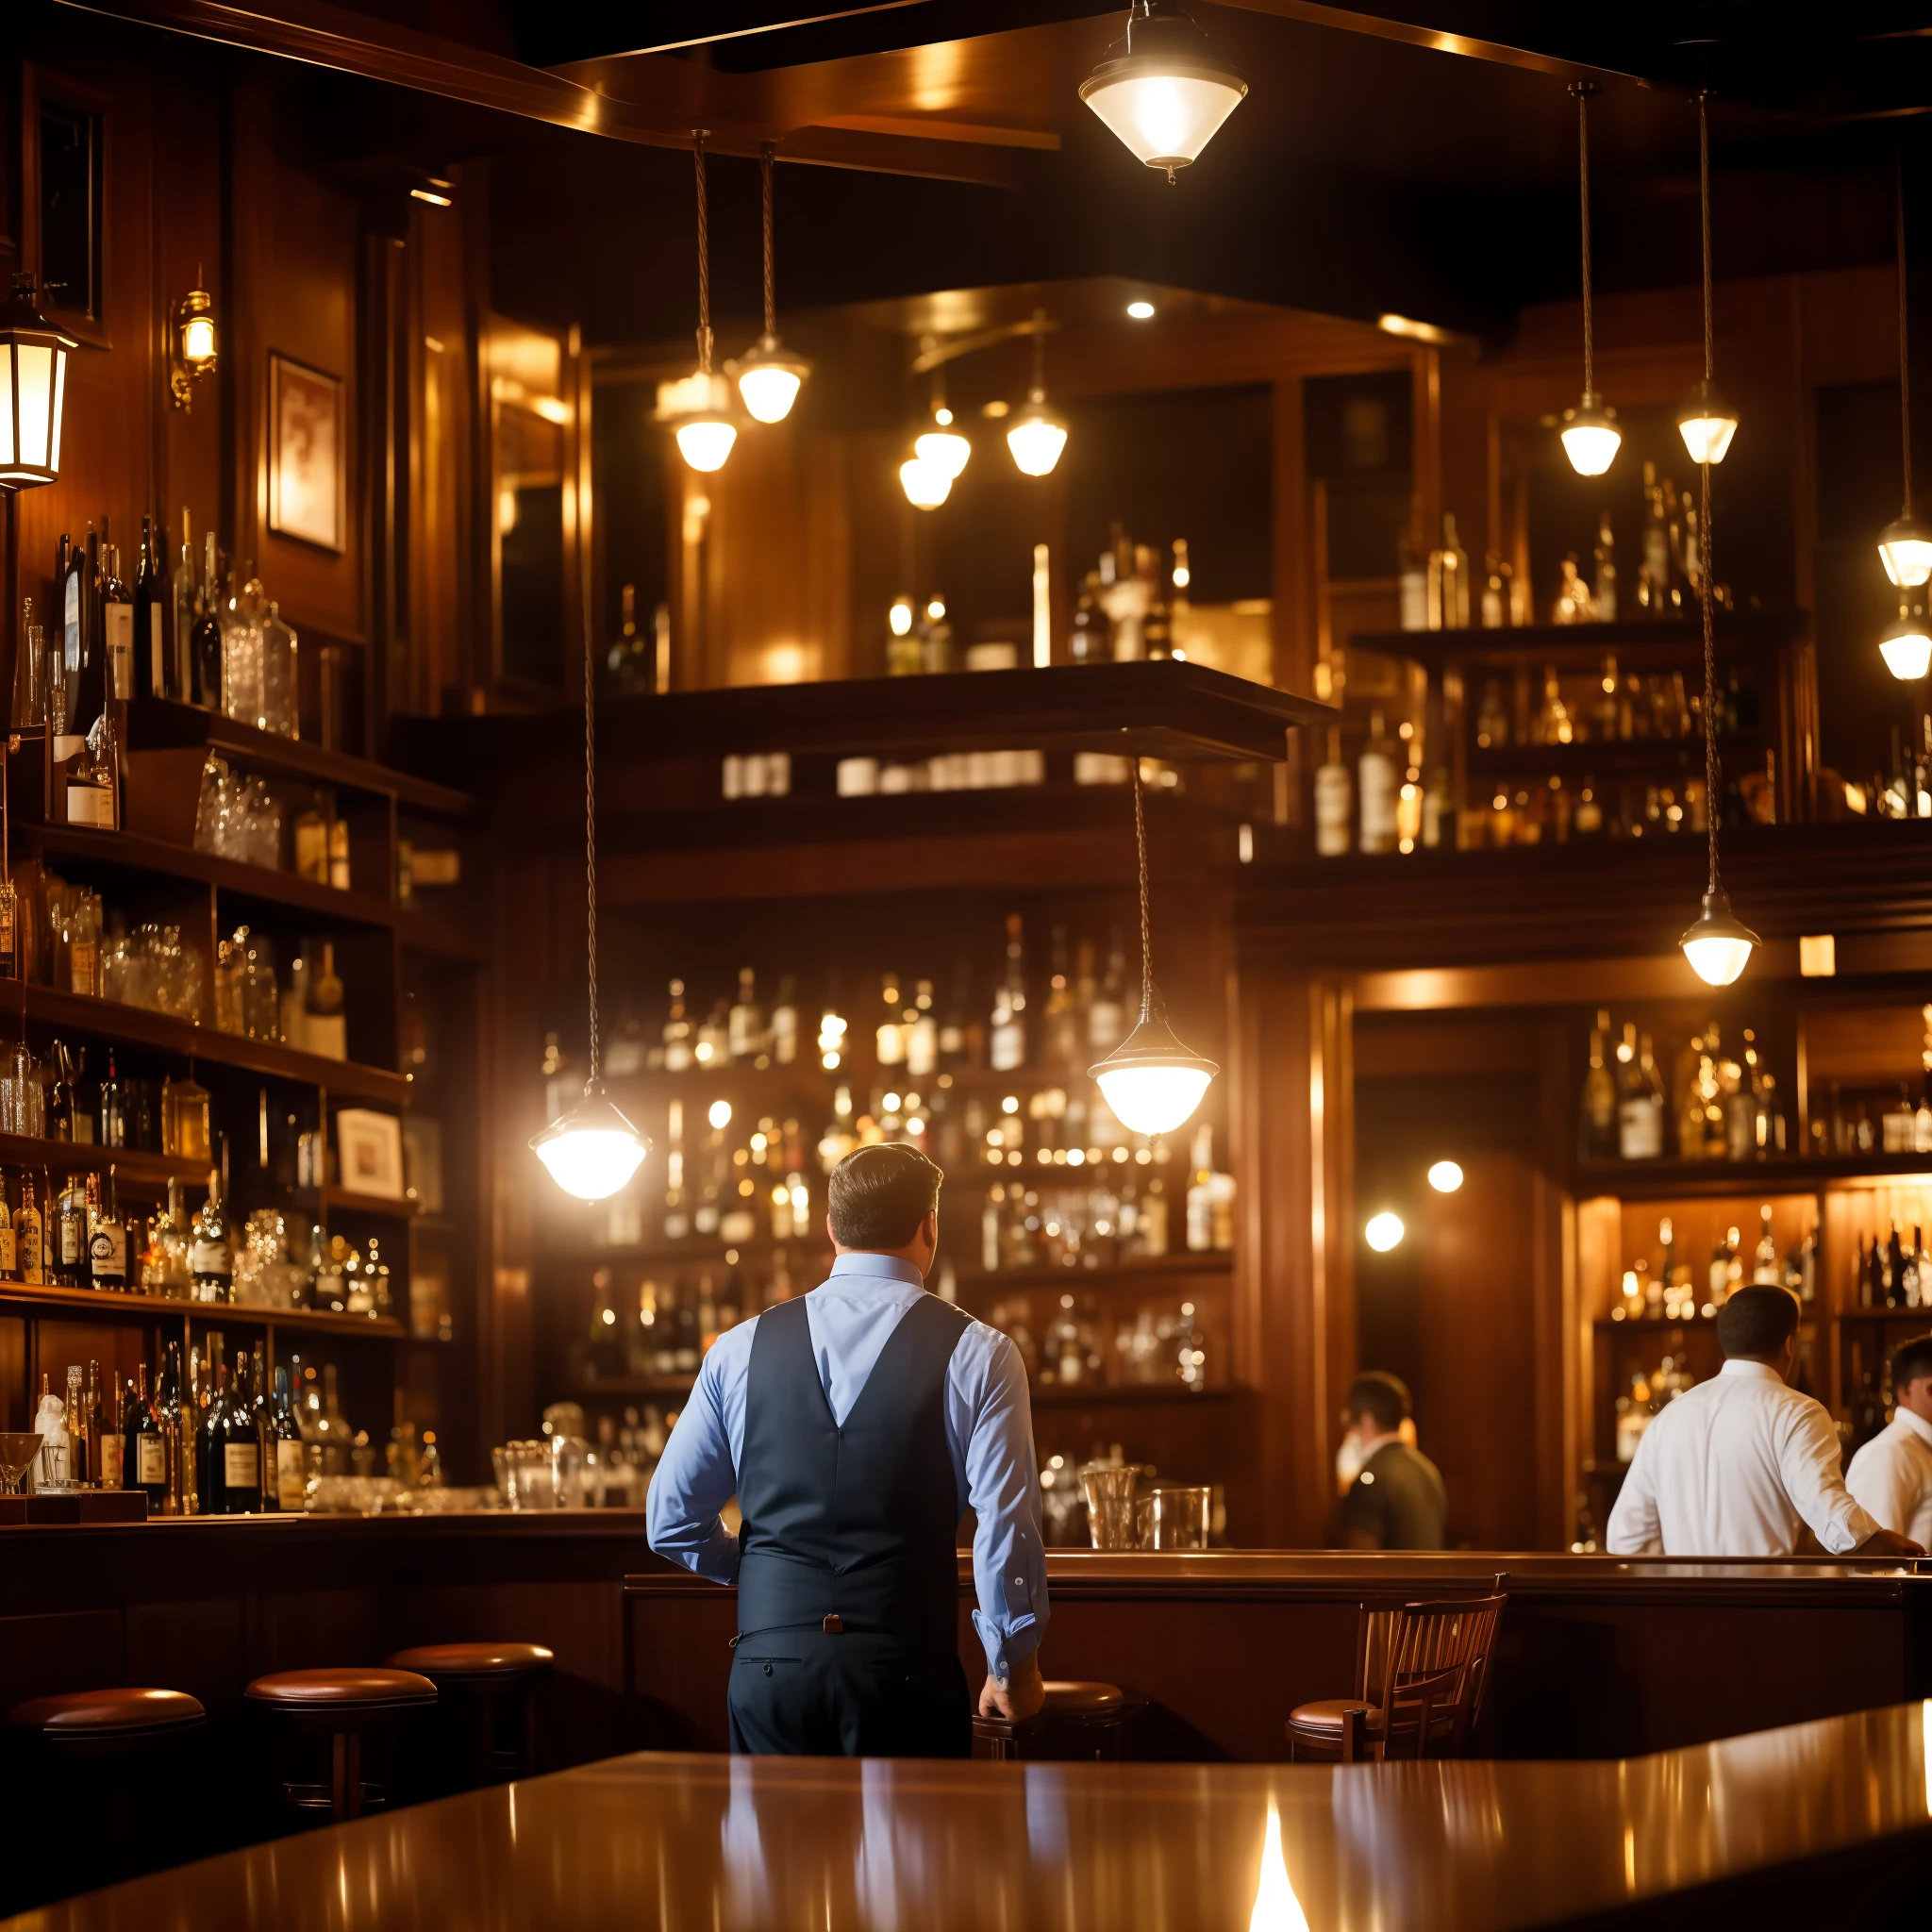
[
  {"x": 369, "y": 1147},
  {"x": 308, "y": 454}
]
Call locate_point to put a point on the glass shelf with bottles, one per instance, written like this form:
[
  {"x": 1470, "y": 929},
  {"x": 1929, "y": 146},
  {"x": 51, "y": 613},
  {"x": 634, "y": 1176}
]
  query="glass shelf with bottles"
[{"x": 1703, "y": 1256}]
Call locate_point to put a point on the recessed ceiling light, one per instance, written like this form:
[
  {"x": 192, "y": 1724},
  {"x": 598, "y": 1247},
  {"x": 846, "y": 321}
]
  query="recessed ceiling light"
[{"x": 1141, "y": 311}]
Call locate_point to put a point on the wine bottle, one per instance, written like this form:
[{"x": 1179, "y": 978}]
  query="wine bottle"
[
  {"x": 113, "y": 1438},
  {"x": 144, "y": 1447},
  {"x": 204, "y": 645},
  {"x": 242, "y": 1452},
  {"x": 209, "y": 1259},
  {"x": 285, "y": 1487},
  {"x": 211, "y": 1440},
  {"x": 187, "y": 609},
  {"x": 29, "y": 1231},
  {"x": 106, "y": 1234},
  {"x": 70, "y": 1255},
  {"x": 117, "y": 628},
  {"x": 151, "y": 678}
]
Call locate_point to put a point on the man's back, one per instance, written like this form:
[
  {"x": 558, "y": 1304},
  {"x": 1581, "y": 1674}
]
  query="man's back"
[
  {"x": 1399, "y": 1500},
  {"x": 1730, "y": 1469}
]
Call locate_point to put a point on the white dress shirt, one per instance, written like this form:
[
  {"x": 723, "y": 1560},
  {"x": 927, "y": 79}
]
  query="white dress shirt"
[
  {"x": 1729, "y": 1468},
  {"x": 1891, "y": 1477}
]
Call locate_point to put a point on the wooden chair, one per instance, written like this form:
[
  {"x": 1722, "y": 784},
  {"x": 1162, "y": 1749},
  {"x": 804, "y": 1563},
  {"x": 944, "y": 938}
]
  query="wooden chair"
[{"x": 1421, "y": 1670}]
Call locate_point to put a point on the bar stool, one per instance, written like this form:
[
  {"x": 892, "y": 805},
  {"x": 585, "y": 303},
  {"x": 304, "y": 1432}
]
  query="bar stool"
[
  {"x": 476, "y": 1678},
  {"x": 99, "y": 1741},
  {"x": 344, "y": 1705},
  {"x": 1078, "y": 1721}
]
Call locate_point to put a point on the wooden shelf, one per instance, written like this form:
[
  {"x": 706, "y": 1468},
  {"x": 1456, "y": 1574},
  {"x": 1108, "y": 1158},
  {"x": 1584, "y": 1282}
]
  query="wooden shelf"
[
  {"x": 1612, "y": 758},
  {"x": 712, "y": 1253},
  {"x": 131, "y": 1165},
  {"x": 160, "y": 723},
  {"x": 122, "y": 1305},
  {"x": 140, "y": 1026},
  {"x": 1661, "y": 1180},
  {"x": 1609, "y": 1325},
  {"x": 1139, "y": 1274},
  {"x": 350, "y": 1202},
  {"x": 1637, "y": 644}
]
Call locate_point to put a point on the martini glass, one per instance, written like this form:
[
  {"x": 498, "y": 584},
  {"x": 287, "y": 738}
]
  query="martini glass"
[{"x": 16, "y": 1452}]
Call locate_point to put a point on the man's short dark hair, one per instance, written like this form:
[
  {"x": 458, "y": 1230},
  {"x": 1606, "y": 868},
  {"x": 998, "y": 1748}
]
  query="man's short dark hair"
[
  {"x": 1758, "y": 1321},
  {"x": 880, "y": 1194},
  {"x": 1381, "y": 1396},
  {"x": 1912, "y": 1361}
]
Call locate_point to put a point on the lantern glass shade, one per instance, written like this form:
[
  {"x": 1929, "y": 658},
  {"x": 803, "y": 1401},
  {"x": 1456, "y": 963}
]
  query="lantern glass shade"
[
  {"x": 705, "y": 442},
  {"x": 1719, "y": 946},
  {"x": 592, "y": 1150},
  {"x": 1152, "y": 1082},
  {"x": 1163, "y": 90},
  {"x": 927, "y": 486},
  {"x": 198, "y": 340},
  {"x": 1590, "y": 438},
  {"x": 1037, "y": 437},
  {"x": 1907, "y": 648},
  {"x": 769, "y": 379},
  {"x": 1706, "y": 423},
  {"x": 945, "y": 449},
  {"x": 33, "y": 393},
  {"x": 1905, "y": 550}
]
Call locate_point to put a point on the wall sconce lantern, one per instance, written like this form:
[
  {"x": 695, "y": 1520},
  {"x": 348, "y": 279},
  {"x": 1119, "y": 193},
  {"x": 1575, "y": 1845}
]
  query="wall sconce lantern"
[
  {"x": 33, "y": 388},
  {"x": 192, "y": 352}
]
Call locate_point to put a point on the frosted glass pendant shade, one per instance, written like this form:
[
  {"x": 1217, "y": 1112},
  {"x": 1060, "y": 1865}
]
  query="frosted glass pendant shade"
[
  {"x": 1037, "y": 437},
  {"x": 1905, "y": 550},
  {"x": 1906, "y": 647},
  {"x": 1591, "y": 437},
  {"x": 33, "y": 390},
  {"x": 1152, "y": 1081},
  {"x": 1706, "y": 423},
  {"x": 1163, "y": 90},
  {"x": 944, "y": 449},
  {"x": 769, "y": 378},
  {"x": 927, "y": 486},
  {"x": 592, "y": 1150},
  {"x": 1719, "y": 946}
]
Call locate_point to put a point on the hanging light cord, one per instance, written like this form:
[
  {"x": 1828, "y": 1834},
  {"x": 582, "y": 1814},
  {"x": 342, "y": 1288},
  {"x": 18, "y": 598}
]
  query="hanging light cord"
[
  {"x": 765, "y": 154},
  {"x": 697, "y": 149},
  {"x": 1704, "y": 549},
  {"x": 1583, "y": 89},
  {"x": 1040, "y": 388},
  {"x": 590, "y": 834},
  {"x": 1904, "y": 361},
  {"x": 1146, "y": 927}
]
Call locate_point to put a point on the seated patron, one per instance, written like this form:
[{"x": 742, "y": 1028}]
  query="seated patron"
[
  {"x": 1734, "y": 1465},
  {"x": 1891, "y": 1475},
  {"x": 1397, "y": 1501}
]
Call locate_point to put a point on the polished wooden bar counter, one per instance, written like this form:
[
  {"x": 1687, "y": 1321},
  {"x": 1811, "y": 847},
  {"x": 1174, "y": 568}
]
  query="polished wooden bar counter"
[
  {"x": 1599, "y": 1656},
  {"x": 1818, "y": 1824}
]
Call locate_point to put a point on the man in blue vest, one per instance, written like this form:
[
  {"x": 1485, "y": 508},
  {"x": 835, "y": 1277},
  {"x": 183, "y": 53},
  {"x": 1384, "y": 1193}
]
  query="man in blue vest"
[{"x": 855, "y": 1426}]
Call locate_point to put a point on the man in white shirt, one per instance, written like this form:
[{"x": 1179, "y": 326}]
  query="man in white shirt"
[
  {"x": 1891, "y": 1475},
  {"x": 1732, "y": 1466}
]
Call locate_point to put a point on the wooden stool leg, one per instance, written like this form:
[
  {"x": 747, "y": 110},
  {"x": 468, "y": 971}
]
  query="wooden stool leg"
[
  {"x": 529, "y": 1763},
  {"x": 345, "y": 1775},
  {"x": 486, "y": 1742},
  {"x": 1354, "y": 1736}
]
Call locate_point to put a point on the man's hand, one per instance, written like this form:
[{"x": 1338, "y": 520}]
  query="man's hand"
[
  {"x": 1020, "y": 1696},
  {"x": 1887, "y": 1542}
]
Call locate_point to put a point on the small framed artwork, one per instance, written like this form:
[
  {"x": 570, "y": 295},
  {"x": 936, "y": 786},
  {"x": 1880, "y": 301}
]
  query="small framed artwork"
[
  {"x": 307, "y": 457},
  {"x": 369, "y": 1150}
]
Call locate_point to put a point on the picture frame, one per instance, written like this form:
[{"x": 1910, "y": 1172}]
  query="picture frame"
[
  {"x": 308, "y": 455},
  {"x": 369, "y": 1153}
]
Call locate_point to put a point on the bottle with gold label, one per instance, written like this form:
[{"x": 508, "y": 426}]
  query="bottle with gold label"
[{"x": 1449, "y": 581}]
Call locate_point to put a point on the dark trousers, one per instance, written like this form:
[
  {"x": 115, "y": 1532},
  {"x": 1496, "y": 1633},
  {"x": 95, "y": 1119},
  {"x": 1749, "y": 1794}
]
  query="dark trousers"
[{"x": 809, "y": 1694}]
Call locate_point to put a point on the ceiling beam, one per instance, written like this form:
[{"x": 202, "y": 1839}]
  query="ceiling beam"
[
  {"x": 738, "y": 29},
  {"x": 680, "y": 96}
]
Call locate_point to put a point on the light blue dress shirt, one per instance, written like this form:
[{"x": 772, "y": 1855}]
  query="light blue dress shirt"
[{"x": 988, "y": 1433}]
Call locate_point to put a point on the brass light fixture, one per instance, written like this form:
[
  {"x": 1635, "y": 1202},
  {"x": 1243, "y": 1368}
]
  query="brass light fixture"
[
  {"x": 33, "y": 388},
  {"x": 1162, "y": 89},
  {"x": 192, "y": 350},
  {"x": 699, "y": 406},
  {"x": 769, "y": 375},
  {"x": 1590, "y": 435},
  {"x": 1706, "y": 423},
  {"x": 1904, "y": 547},
  {"x": 1037, "y": 435},
  {"x": 1151, "y": 1080}
]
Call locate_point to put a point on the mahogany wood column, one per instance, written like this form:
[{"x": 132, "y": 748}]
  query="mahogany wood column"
[{"x": 1292, "y": 1104}]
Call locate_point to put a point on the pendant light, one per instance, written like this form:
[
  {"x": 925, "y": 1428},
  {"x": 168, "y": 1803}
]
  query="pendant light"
[
  {"x": 1904, "y": 547},
  {"x": 1707, "y": 422},
  {"x": 703, "y": 426},
  {"x": 1907, "y": 646},
  {"x": 1719, "y": 944},
  {"x": 769, "y": 375},
  {"x": 1037, "y": 436},
  {"x": 1152, "y": 1081},
  {"x": 1161, "y": 88},
  {"x": 592, "y": 1150},
  {"x": 944, "y": 445},
  {"x": 33, "y": 388},
  {"x": 927, "y": 486},
  {"x": 1590, "y": 435}
]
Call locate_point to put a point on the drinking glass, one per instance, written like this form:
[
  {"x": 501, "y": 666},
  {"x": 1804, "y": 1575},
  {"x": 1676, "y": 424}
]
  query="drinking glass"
[
  {"x": 1175, "y": 1516},
  {"x": 1109, "y": 1487}
]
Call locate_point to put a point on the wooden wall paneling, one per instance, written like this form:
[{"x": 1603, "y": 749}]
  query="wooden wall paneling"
[
  {"x": 68, "y": 1650},
  {"x": 1294, "y": 612},
  {"x": 1290, "y": 1102}
]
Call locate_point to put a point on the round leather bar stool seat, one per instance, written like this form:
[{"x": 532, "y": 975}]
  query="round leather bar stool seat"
[
  {"x": 91, "y": 1715},
  {"x": 1315, "y": 1731},
  {"x": 1078, "y": 1719},
  {"x": 340, "y": 1694},
  {"x": 1084, "y": 1702},
  {"x": 468, "y": 1661}
]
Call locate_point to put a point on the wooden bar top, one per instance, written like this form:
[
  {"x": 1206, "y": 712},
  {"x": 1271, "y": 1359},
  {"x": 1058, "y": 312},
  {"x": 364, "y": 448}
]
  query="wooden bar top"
[{"x": 1778, "y": 1824}]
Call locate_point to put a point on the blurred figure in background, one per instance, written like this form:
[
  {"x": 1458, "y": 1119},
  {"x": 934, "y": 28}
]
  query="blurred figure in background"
[
  {"x": 1890, "y": 1477},
  {"x": 1396, "y": 1500}
]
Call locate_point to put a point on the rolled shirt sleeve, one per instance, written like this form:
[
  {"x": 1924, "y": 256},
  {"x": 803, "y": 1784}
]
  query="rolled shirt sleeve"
[
  {"x": 1808, "y": 1459},
  {"x": 694, "y": 1479},
  {"x": 1002, "y": 1487}
]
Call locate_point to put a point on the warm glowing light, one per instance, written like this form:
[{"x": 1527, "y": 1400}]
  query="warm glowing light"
[
  {"x": 436, "y": 195},
  {"x": 1416, "y": 331},
  {"x": 1037, "y": 437},
  {"x": 1718, "y": 945},
  {"x": 719, "y": 1113},
  {"x": 198, "y": 340},
  {"x": 927, "y": 486},
  {"x": 1906, "y": 647},
  {"x": 1706, "y": 423},
  {"x": 1276, "y": 1909},
  {"x": 705, "y": 442},
  {"x": 1905, "y": 550},
  {"x": 1149, "y": 1098},
  {"x": 1445, "y": 1177},
  {"x": 1161, "y": 89},
  {"x": 1384, "y": 1231},
  {"x": 900, "y": 618},
  {"x": 1141, "y": 311},
  {"x": 33, "y": 388},
  {"x": 769, "y": 393},
  {"x": 934, "y": 609},
  {"x": 592, "y": 1150},
  {"x": 945, "y": 449},
  {"x": 1590, "y": 438}
]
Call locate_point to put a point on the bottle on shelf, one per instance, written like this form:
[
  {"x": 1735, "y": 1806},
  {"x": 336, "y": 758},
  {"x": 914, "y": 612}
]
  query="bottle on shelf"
[
  {"x": 1597, "y": 1108},
  {"x": 1449, "y": 580},
  {"x": 107, "y": 1234},
  {"x": 113, "y": 1438},
  {"x": 1378, "y": 781},
  {"x": 745, "y": 1023},
  {"x": 211, "y": 1260},
  {"x": 185, "y": 608},
  {"x": 1007, "y": 1037},
  {"x": 29, "y": 1251},
  {"x": 1412, "y": 587},
  {"x": 150, "y": 638},
  {"x": 1334, "y": 801},
  {"x": 144, "y": 1449},
  {"x": 69, "y": 1248},
  {"x": 1767, "y": 1266},
  {"x": 205, "y": 641},
  {"x": 325, "y": 1026},
  {"x": 1640, "y": 1103},
  {"x": 1605, "y": 587},
  {"x": 784, "y": 1023},
  {"x": 1107, "y": 1014}
]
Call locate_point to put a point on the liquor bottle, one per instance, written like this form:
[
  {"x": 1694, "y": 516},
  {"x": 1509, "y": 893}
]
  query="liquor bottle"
[
  {"x": 9, "y": 1252},
  {"x": 185, "y": 588},
  {"x": 285, "y": 1486},
  {"x": 144, "y": 1448},
  {"x": 1657, "y": 596},
  {"x": 1894, "y": 1270},
  {"x": 106, "y": 1234},
  {"x": 1722, "y": 1251},
  {"x": 209, "y": 1263},
  {"x": 1449, "y": 581},
  {"x": 1412, "y": 587},
  {"x": 1064, "y": 1046},
  {"x": 73, "y": 596},
  {"x": 114, "y": 1438},
  {"x": 1107, "y": 1016},
  {"x": 242, "y": 1450},
  {"x": 69, "y": 1245},
  {"x": 91, "y": 789},
  {"x": 714, "y": 1036},
  {"x": 1376, "y": 767},
  {"x": 28, "y": 1246},
  {"x": 1766, "y": 1267},
  {"x": 210, "y": 1438},
  {"x": 958, "y": 1033},
  {"x": 1334, "y": 801},
  {"x": 1597, "y": 1135},
  {"x": 326, "y": 1023},
  {"x": 150, "y": 639},
  {"x": 1605, "y": 585},
  {"x": 921, "y": 1034},
  {"x": 676, "y": 1033},
  {"x": 1086, "y": 637},
  {"x": 1640, "y": 1106},
  {"x": 205, "y": 644},
  {"x": 1006, "y": 1040},
  {"x": 117, "y": 627},
  {"x": 1201, "y": 1193},
  {"x": 630, "y": 658},
  {"x": 745, "y": 1023},
  {"x": 81, "y": 1423},
  {"x": 784, "y": 1023}
]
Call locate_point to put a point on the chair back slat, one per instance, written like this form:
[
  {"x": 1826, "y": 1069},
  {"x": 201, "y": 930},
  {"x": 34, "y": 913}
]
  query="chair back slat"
[{"x": 1434, "y": 1660}]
